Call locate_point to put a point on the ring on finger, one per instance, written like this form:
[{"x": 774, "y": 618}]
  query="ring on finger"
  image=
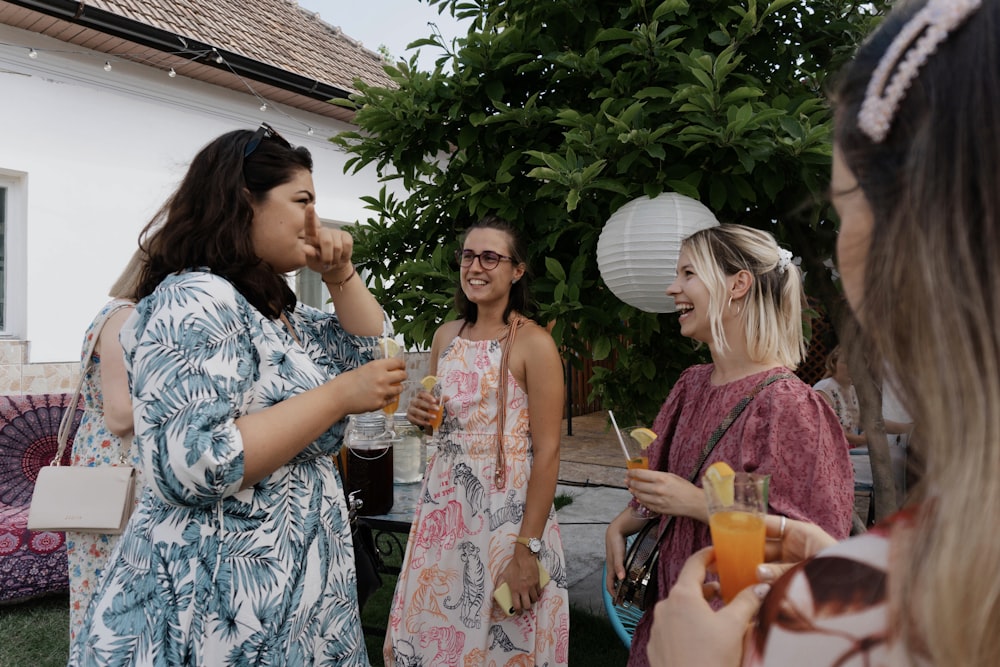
[{"x": 781, "y": 528}]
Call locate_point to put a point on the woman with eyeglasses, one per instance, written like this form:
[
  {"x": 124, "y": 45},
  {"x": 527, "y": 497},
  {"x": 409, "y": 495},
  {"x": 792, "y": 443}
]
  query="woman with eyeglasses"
[
  {"x": 240, "y": 549},
  {"x": 485, "y": 520}
]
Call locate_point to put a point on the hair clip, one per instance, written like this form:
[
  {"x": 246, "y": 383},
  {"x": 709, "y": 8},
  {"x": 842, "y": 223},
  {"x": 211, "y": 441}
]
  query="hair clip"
[
  {"x": 928, "y": 28},
  {"x": 784, "y": 259}
]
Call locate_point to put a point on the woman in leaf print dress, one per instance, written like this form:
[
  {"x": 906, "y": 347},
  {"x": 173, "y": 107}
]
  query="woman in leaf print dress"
[{"x": 240, "y": 549}]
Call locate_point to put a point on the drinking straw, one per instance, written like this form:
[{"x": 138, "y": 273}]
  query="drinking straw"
[{"x": 621, "y": 440}]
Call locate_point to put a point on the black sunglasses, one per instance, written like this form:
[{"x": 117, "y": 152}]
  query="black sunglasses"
[
  {"x": 487, "y": 259},
  {"x": 263, "y": 132}
]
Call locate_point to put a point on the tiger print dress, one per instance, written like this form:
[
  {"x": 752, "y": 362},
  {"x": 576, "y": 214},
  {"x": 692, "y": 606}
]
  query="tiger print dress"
[{"x": 464, "y": 529}]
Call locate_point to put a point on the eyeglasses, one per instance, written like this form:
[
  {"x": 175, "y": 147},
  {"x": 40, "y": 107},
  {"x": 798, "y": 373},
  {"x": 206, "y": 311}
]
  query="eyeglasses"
[
  {"x": 487, "y": 259},
  {"x": 263, "y": 132}
]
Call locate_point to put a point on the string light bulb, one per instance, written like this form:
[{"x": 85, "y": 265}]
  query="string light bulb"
[
  {"x": 218, "y": 56},
  {"x": 32, "y": 54},
  {"x": 172, "y": 73},
  {"x": 107, "y": 65},
  {"x": 263, "y": 106}
]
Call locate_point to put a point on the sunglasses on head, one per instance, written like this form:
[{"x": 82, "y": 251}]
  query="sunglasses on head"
[
  {"x": 263, "y": 132},
  {"x": 487, "y": 259}
]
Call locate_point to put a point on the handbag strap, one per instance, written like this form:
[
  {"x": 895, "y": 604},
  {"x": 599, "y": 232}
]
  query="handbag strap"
[
  {"x": 66, "y": 423},
  {"x": 717, "y": 434},
  {"x": 500, "y": 471}
]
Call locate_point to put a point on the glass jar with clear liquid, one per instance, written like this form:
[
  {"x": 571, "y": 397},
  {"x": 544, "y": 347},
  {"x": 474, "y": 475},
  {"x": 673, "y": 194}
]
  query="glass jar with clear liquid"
[{"x": 408, "y": 458}]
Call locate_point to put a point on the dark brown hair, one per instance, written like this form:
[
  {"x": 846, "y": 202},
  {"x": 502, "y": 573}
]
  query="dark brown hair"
[
  {"x": 206, "y": 222},
  {"x": 520, "y": 294}
]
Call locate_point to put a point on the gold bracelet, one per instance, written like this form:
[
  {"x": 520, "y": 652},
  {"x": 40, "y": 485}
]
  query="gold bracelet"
[{"x": 341, "y": 284}]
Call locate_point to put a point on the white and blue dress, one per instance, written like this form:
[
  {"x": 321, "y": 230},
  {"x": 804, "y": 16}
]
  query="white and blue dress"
[{"x": 207, "y": 574}]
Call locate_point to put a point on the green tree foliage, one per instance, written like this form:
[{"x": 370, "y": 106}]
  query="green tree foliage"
[{"x": 555, "y": 113}]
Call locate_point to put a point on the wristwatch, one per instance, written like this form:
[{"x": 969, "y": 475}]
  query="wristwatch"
[{"x": 533, "y": 543}]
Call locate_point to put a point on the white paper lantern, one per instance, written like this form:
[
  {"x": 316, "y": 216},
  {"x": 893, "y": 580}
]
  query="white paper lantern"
[{"x": 638, "y": 247}]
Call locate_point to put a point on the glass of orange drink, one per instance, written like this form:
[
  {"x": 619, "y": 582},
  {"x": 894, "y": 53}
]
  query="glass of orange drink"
[
  {"x": 387, "y": 348},
  {"x": 737, "y": 505},
  {"x": 636, "y": 443}
]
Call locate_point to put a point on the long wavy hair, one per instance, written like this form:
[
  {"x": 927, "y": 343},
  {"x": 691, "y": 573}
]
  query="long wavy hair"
[
  {"x": 520, "y": 292},
  {"x": 206, "y": 222},
  {"x": 931, "y": 308},
  {"x": 772, "y": 309}
]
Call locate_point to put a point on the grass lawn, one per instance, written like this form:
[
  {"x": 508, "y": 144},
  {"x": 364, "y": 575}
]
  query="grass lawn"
[{"x": 36, "y": 633}]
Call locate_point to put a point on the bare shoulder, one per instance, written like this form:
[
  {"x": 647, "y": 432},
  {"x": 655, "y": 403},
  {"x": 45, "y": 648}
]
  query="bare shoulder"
[
  {"x": 447, "y": 331},
  {"x": 537, "y": 339}
]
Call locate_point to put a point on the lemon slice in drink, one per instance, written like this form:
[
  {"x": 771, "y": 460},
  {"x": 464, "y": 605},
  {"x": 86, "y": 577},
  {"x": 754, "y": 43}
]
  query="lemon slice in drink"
[
  {"x": 643, "y": 436},
  {"x": 389, "y": 347},
  {"x": 722, "y": 478},
  {"x": 428, "y": 382}
]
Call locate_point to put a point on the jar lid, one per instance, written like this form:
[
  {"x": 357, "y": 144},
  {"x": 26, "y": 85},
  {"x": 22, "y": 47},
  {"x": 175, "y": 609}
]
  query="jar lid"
[
  {"x": 371, "y": 423},
  {"x": 399, "y": 420}
]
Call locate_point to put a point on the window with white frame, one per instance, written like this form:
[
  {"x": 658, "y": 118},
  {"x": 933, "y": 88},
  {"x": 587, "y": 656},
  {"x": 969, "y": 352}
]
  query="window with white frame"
[{"x": 13, "y": 272}]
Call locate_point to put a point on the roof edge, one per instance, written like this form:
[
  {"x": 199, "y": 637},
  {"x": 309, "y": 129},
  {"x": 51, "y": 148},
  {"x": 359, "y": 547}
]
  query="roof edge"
[{"x": 84, "y": 15}]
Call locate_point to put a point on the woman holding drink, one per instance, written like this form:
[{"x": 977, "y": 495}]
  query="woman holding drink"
[
  {"x": 485, "y": 520},
  {"x": 240, "y": 549},
  {"x": 740, "y": 294},
  {"x": 915, "y": 186}
]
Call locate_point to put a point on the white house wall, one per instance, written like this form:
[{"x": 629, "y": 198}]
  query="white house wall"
[{"x": 97, "y": 152}]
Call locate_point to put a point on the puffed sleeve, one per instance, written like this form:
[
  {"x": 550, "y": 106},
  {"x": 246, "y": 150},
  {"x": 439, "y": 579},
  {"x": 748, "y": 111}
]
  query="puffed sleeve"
[
  {"x": 328, "y": 344},
  {"x": 793, "y": 435},
  {"x": 192, "y": 365}
]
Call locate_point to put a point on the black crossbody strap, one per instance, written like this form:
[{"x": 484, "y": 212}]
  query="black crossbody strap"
[{"x": 720, "y": 431}]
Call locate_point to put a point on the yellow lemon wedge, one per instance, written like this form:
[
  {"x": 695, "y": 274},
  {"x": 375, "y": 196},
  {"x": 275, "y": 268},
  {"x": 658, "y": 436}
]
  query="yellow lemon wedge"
[
  {"x": 389, "y": 347},
  {"x": 428, "y": 382},
  {"x": 643, "y": 436},
  {"x": 722, "y": 478}
]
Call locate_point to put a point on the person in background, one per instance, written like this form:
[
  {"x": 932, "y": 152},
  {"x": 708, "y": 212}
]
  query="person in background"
[
  {"x": 485, "y": 517},
  {"x": 240, "y": 549},
  {"x": 917, "y": 252},
  {"x": 839, "y": 392},
  {"x": 104, "y": 434},
  {"x": 740, "y": 294}
]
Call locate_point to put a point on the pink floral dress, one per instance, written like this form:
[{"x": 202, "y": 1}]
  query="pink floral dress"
[
  {"x": 788, "y": 431},
  {"x": 93, "y": 445},
  {"x": 464, "y": 529}
]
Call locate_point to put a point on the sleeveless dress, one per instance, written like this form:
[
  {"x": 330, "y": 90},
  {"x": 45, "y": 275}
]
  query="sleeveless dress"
[
  {"x": 94, "y": 445},
  {"x": 464, "y": 529}
]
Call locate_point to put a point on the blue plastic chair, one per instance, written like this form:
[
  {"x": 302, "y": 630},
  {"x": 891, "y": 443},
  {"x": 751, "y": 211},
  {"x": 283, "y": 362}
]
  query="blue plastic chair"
[{"x": 623, "y": 619}]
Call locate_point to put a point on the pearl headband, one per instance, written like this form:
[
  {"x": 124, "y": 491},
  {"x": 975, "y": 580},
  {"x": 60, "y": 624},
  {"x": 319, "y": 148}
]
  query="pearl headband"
[{"x": 928, "y": 28}]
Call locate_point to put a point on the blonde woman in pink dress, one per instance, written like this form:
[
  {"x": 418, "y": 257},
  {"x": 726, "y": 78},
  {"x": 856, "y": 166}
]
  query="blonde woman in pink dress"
[
  {"x": 916, "y": 141},
  {"x": 486, "y": 517}
]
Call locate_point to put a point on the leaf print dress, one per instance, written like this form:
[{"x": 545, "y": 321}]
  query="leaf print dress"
[
  {"x": 463, "y": 533},
  {"x": 206, "y": 573}
]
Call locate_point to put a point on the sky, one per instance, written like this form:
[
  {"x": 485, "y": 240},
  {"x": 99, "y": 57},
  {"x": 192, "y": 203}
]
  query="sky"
[{"x": 394, "y": 23}]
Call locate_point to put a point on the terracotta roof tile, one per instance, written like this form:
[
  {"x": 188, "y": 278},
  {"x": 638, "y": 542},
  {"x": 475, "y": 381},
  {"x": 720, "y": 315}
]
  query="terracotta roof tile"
[{"x": 274, "y": 32}]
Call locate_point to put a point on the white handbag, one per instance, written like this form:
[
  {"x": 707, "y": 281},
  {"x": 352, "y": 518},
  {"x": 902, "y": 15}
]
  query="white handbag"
[{"x": 84, "y": 499}]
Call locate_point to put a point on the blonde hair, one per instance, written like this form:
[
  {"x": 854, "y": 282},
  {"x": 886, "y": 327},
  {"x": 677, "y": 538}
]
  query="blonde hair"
[
  {"x": 772, "y": 308},
  {"x": 127, "y": 284},
  {"x": 931, "y": 307}
]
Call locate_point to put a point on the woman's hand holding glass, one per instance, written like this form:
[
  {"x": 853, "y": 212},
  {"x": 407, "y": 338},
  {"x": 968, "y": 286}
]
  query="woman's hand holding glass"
[
  {"x": 426, "y": 409},
  {"x": 374, "y": 386},
  {"x": 667, "y": 493}
]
